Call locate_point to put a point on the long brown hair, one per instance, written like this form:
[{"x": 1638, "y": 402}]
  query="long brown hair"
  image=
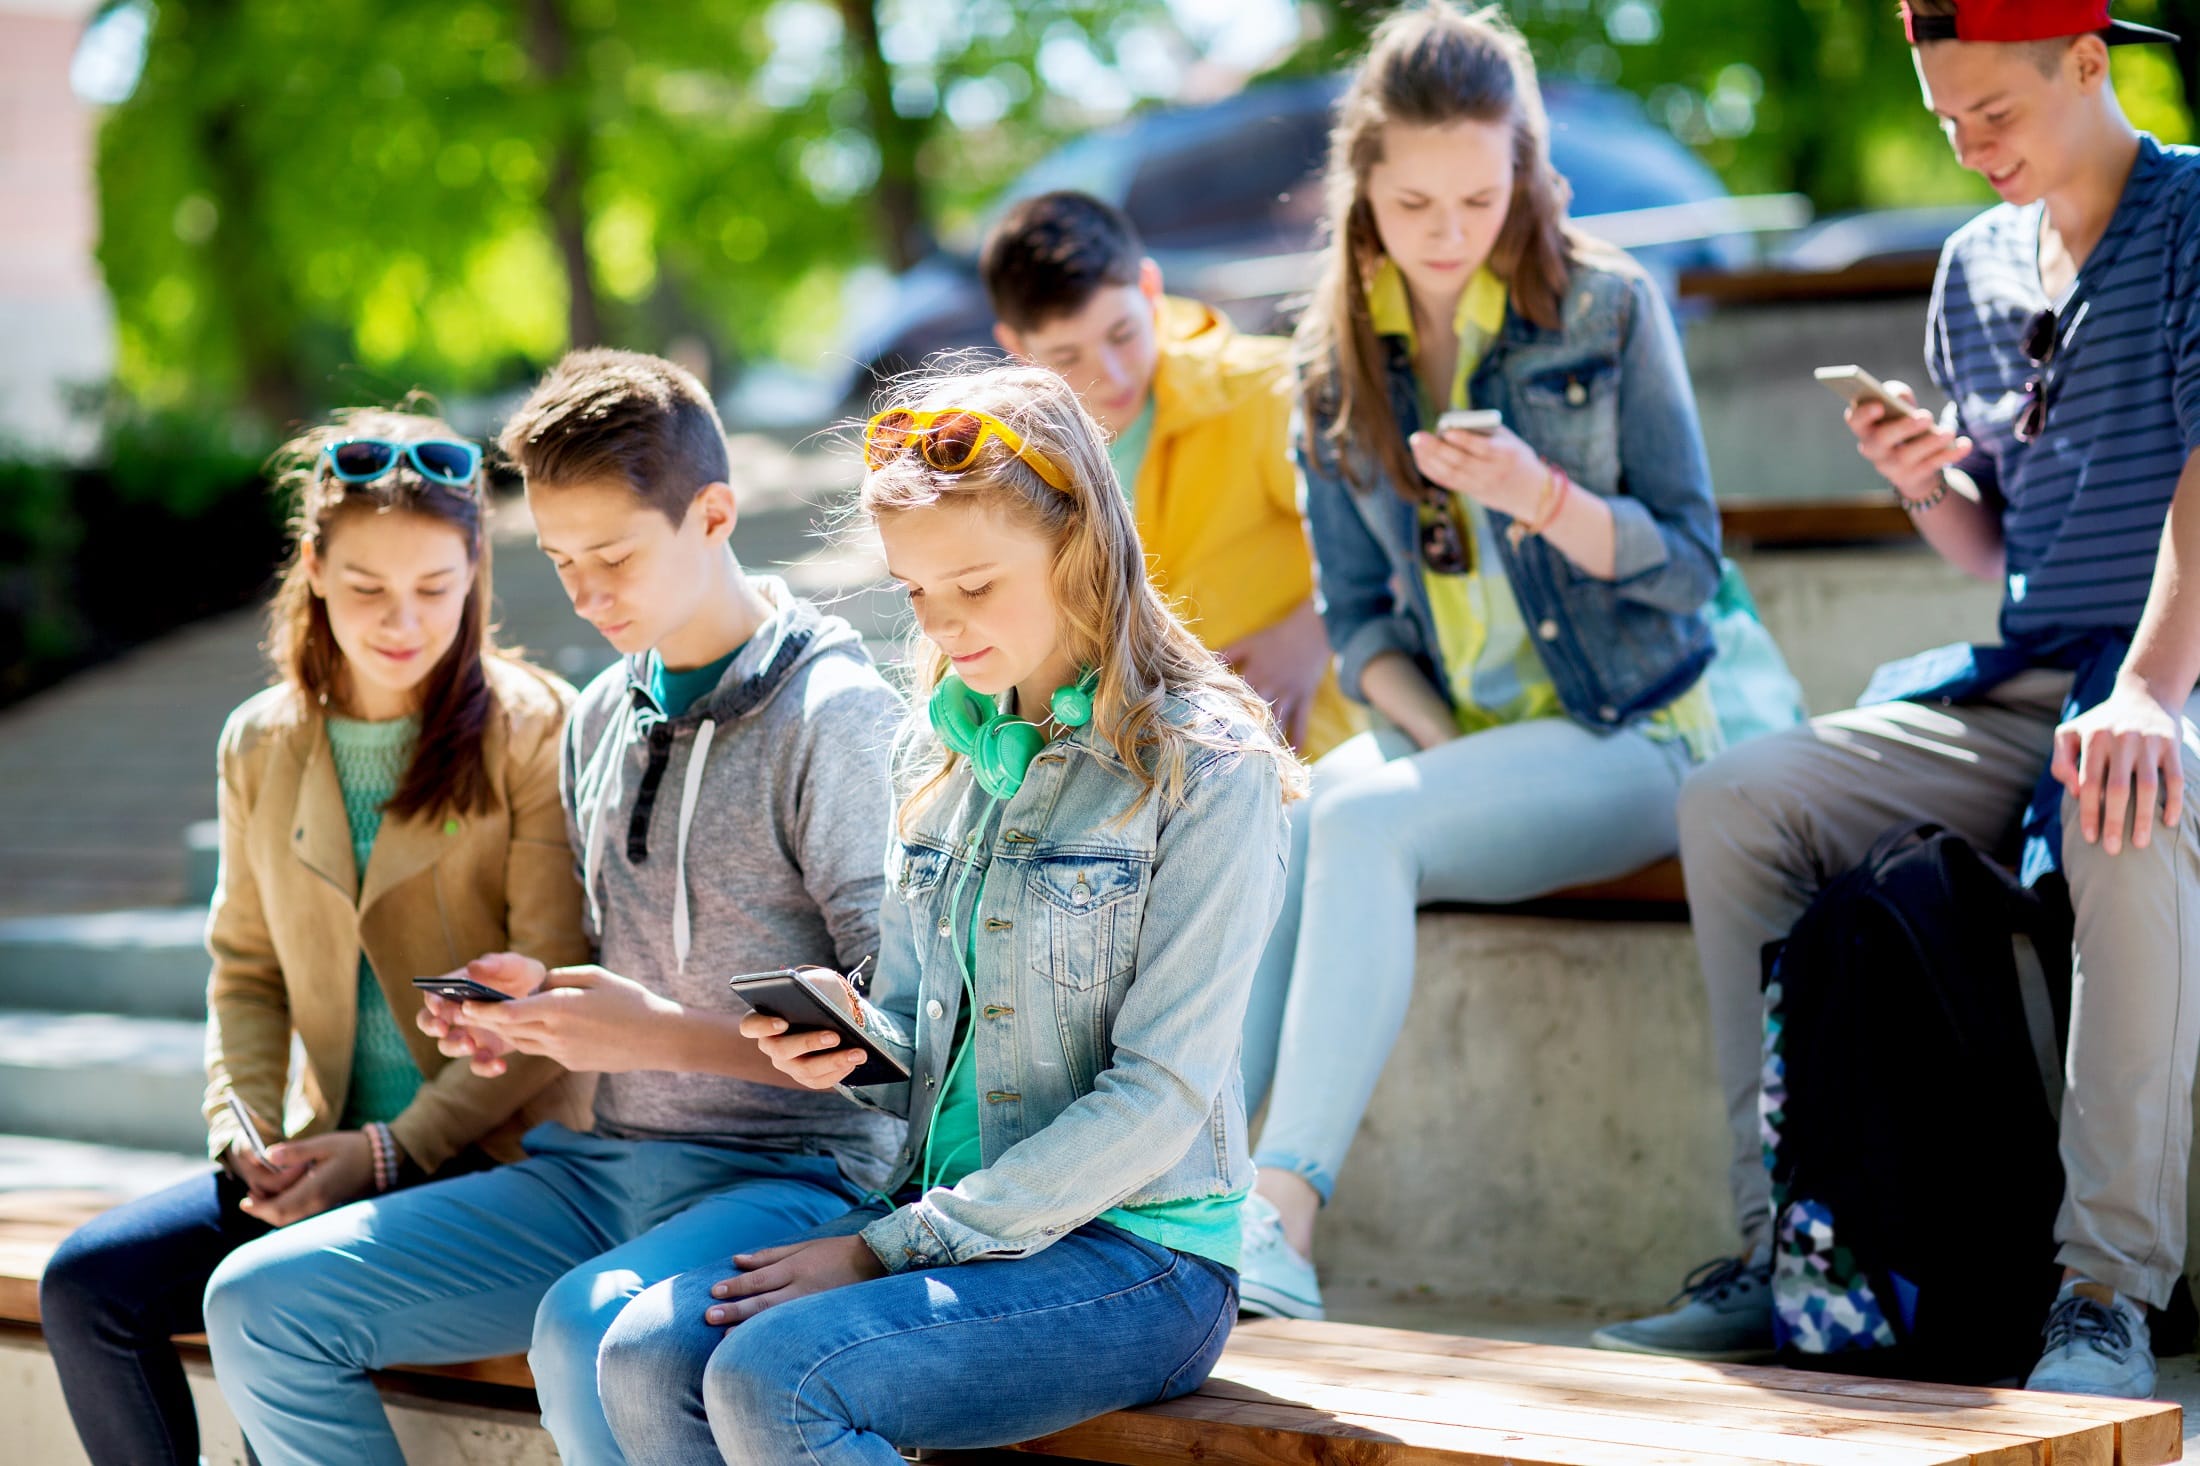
[
  {"x": 448, "y": 771},
  {"x": 1113, "y": 618},
  {"x": 1428, "y": 66}
]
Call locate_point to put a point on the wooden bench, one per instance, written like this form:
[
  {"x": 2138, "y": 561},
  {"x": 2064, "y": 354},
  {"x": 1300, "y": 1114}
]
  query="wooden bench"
[{"x": 1325, "y": 1393}]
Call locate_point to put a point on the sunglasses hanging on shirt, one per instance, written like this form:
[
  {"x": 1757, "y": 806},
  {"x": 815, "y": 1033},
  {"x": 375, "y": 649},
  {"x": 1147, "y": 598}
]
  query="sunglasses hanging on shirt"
[{"x": 2042, "y": 335}]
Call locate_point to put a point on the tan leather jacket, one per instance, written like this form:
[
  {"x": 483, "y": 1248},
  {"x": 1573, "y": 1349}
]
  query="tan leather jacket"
[{"x": 292, "y": 915}]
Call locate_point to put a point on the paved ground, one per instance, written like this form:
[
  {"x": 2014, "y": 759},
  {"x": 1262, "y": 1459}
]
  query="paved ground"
[{"x": 100, "y": 776}]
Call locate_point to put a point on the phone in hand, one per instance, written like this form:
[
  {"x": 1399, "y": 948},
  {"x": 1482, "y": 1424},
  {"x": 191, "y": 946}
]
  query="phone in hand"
[
  {"x": 461, "y": 989},
  {"x": 252, "y": 1139},
  {"x": 814, "y": 998},
  {"x": 1483, "y": 420},
  {"x": 1857, "y": 387}
]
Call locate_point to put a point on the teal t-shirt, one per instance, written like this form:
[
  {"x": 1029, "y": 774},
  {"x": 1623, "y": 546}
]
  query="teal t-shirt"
[
  {"x": 371, "y": 759},
  {"x": 1206, "y": 1226},
  {"x": 1128, "y": 449},
  {"x": 676, "y": 692}
]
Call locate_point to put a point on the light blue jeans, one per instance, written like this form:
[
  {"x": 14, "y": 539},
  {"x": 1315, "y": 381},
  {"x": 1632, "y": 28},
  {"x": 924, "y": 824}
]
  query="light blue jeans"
[
  {"x": 960, "y": 1357},
  {"x": 1498, "y": 816},
  {"x": 540, "y": 1255}
]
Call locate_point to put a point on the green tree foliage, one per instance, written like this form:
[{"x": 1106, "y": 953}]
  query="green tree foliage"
[{"x": 315, "y": 201}]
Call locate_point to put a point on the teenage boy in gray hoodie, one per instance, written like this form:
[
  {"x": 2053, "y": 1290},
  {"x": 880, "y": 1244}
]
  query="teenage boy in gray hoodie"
[{"x": 727, "y": 799}]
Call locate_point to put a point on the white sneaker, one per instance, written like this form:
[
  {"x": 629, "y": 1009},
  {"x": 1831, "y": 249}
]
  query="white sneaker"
[{"x": 1273, "y": 1280}]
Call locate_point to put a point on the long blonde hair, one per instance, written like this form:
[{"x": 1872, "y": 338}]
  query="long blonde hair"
[
  {"x": 1428, "y": 66},
  {"x": 1114, "y": 620}
]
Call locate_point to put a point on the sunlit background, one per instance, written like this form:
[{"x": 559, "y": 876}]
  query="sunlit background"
[{"x": 219, "y": 217}]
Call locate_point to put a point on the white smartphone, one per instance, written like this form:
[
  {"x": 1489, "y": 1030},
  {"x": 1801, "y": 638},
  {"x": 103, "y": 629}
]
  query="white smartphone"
[
  {"x": 1483, "y": 420},
  {"x": 252, "y": 1139},
  {"x": 1857, "y": 387}
]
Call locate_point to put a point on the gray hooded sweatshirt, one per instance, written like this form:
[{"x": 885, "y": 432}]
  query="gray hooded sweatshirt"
[{"x": 745, "y": 834}]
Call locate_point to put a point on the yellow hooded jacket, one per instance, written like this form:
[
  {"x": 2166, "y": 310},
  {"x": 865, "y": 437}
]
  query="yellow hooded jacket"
[{"x": 1217, "y": 499}]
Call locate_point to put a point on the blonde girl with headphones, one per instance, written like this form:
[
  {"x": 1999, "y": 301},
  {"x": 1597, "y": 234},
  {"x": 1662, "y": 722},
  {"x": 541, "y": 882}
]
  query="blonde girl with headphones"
[{"x": 1089, "y": 854}]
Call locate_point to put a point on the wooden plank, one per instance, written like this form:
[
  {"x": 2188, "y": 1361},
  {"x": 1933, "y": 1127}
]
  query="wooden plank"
[
  {"x": 1218, "y": 1432},
  {"x": 1762, "y": 522},
  {"x": 1494, "y": 1412},
  {"x": 2149, "y": 1432},
  {"x": 1458, "y": 1388}
]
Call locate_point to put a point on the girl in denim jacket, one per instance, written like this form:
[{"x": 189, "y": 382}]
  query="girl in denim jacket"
[
  {"x": 1089, "y": 856},
  {"x": 1522, "y": 608}
]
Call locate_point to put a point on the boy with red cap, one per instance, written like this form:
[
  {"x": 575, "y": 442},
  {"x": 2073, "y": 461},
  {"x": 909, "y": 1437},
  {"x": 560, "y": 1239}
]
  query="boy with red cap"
[{"x": 2065, "y": 331}]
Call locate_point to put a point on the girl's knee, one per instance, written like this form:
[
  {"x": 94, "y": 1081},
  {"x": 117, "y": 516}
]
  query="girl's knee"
[
  {"x": 255, "y": 1285},
  {"x": 754, "y": 1378},
  {"x": 571, "y": 1321}
]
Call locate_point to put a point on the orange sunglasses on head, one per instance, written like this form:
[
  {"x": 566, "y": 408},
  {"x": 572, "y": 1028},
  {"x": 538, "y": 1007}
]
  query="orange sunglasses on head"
[{"x": 949, "y": 440}]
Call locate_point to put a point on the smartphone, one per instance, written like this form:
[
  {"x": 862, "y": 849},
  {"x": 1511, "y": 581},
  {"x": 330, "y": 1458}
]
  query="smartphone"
[
  {"x": 1858, "y": 387},
  {"x": 1470, "y": 420},
  {"x": 811, "y": 999},
  {"x": 461, "y": 990},
  {"x": 252, "y": 1139}
]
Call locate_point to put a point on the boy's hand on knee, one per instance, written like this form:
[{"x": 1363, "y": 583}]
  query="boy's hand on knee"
[
  {"x": 331, "y": 1170},
  {"x": 781, "y": 1274},
  {"x": 2123, "y": 761}
]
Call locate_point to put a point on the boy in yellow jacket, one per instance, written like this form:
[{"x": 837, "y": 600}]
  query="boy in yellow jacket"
[{"x": 1198, "y": 418}]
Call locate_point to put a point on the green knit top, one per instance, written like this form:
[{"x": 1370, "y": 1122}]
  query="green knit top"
[{"x": 370, "y": 761}]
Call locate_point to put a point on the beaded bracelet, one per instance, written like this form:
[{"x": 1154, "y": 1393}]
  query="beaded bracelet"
[
  {"x": 1930, "y": 501},
  {"x": 384, "y": 1146}
]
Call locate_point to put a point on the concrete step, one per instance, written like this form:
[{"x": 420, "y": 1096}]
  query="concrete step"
[
  {"x": 150, "y": 962},
  {"x": 202, "y": 860},
  {"x": 103, "y": 1077},
  {"x": 39, "y": 1162}
]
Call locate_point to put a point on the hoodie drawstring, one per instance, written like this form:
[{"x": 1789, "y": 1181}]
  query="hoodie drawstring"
[
  {"x": 691, "y": 788},
  {"x": 597, "y": 781}
]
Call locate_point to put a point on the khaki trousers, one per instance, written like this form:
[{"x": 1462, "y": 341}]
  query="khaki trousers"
[{"x": 1764, "y": 826}]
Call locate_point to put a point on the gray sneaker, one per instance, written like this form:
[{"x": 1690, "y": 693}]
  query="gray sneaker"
[
  {"x": 2095, "y": 1347},
  {"x": 1723, "y": 1313}
]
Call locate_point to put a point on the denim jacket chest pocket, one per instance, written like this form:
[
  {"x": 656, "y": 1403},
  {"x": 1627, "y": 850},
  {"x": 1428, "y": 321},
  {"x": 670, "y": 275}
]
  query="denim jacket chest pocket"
[
  {"x": 1084, "y": 916},
  {"x": 923, "y": 884},
  {"x": 1567, "y": 405}
]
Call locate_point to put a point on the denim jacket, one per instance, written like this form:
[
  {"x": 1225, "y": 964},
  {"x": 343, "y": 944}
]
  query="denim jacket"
[
  {"x": 1115, "y": 954},
  {"x": 1607, "y": 399}
]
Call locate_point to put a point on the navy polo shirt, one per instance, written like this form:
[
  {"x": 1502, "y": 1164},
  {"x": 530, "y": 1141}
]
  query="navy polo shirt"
[{"x": 2086, "y": 500}]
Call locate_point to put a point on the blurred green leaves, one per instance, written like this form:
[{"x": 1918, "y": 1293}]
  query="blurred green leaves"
[
  {"x": 305, "y": 203},
  {"x": 313, "y": 201}
]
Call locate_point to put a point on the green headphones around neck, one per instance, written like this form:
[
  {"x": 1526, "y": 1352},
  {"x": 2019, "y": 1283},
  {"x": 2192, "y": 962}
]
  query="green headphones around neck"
[{"x": 1000, "y": 745}]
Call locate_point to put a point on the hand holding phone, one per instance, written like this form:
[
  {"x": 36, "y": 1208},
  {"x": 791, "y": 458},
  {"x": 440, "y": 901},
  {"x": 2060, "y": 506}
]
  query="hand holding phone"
[
  {"x": 460, "y": 989},
  {"x": 1482, "y": 420},
  {"x": 1857, "y": 387},
  {"x": 1909, "y": 449},
  {"x": 816, "y": 1000},
  {"x": 251, "y": 1163}
]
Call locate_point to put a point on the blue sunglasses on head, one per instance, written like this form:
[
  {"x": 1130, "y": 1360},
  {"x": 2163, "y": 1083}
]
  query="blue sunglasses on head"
[{"x": 439, "y": 460}]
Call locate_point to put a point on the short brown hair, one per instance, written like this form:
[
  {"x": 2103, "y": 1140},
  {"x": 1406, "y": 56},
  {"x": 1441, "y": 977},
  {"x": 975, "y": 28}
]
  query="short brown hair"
[
  {"x": 602, "y": 414},
  {"x": 1050, "y": 255}
]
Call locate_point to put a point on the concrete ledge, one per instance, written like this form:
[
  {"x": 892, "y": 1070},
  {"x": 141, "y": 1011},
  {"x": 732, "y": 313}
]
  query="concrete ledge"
[
  {"x": 1548, "y": 1127},
  {"x": 151, "y": 962},
  {"x": 103, "y": 1077}
]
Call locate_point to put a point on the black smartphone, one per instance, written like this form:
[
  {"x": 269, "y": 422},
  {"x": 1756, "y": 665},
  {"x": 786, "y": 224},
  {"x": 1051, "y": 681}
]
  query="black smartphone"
[
  {"x": 461, "y": 990},
  {"x": 788, "y": 993}
]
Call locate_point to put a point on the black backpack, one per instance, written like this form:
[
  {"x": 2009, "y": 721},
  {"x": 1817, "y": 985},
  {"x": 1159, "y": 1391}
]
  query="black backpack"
[{"x": 1914, "y": 1028}]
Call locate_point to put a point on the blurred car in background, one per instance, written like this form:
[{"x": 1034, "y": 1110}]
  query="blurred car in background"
[{"x": 1227, "y": 198}]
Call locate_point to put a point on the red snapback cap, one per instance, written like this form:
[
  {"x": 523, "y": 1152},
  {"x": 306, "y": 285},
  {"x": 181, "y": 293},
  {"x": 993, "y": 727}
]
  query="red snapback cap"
[{"x": 2028, "y": 20}]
